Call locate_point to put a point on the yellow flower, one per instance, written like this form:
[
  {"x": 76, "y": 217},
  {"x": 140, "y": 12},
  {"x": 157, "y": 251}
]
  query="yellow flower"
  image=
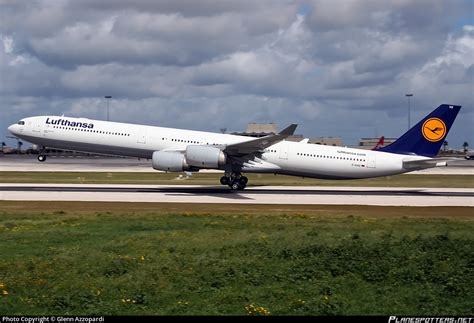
[
  {"x": 142, "y": 258},
  {"x": 5, "y": 292},
  {"x": 256, "y": 310},
  {"x": 2, "y": 285}
]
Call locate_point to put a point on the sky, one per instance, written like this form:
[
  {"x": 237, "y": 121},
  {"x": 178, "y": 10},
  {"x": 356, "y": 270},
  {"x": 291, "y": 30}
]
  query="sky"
[{"x": 337, "y": 68}]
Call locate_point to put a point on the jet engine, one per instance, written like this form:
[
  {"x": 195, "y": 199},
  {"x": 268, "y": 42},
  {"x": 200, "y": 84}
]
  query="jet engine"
[
  {"x": 169, "y": 161},
  {"x": 205, "y": 156}
]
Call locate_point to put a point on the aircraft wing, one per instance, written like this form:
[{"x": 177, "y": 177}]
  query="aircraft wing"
[
  {"x": 426, "y": 163},
  {"x": 258, "y": 144}
]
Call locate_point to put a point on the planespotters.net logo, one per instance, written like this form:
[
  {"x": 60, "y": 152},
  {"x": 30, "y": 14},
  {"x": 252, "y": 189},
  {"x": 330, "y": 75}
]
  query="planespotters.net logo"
[{"x": 396, "y": 319}]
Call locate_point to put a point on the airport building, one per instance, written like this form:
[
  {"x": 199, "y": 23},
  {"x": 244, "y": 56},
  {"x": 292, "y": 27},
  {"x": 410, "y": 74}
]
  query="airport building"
[
  {"x": 265, "y": 129},
  {"x": 327, "y": 141},
  {"x": 260, "y": 129}
]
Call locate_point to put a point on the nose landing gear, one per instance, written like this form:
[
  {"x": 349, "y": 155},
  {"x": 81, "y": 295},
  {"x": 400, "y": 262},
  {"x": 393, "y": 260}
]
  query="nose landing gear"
[
  {"x": 41, "y": 155},
  {"x": 234, "y": 180}
]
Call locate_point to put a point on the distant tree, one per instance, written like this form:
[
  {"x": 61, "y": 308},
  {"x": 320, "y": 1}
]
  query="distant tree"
[
  {"x": 464, "y": 146},
  {"x": 3, "y": 145}
]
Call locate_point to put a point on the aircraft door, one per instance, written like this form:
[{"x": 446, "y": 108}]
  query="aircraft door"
[
  {"x": 284, "y": 145},
  {"x": 371, "y": 161},
  {"x": 37, "y": 126},
  {"x": 141, "y": 136}
]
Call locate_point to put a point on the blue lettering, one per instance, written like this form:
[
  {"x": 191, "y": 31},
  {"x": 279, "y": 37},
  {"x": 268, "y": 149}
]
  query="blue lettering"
[{"x": 70, "y": 123}]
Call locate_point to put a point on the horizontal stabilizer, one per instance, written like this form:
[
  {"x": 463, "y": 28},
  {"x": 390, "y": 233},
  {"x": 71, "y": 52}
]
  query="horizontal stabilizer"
[{"x": 426, "y": 163}]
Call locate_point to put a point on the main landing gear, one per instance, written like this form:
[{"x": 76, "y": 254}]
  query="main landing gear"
[
  {"x": 41, "y": 155},
  {"x": 235, "y": 181}
]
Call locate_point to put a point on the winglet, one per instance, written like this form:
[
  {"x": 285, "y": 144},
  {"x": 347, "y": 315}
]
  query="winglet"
[
  {"x": 288, "y": 131},
  {"x": 258, "y": 144}
]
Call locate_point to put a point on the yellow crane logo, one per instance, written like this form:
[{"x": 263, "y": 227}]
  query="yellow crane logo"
[{"x": 433, "y": 129}]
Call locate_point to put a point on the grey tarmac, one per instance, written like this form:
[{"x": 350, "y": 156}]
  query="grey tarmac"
[{"x": 401, "y": 196}]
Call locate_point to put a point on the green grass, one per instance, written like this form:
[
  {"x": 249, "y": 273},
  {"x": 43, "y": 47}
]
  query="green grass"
[
  {"x": 174, "y": 259},
  {"x": 406, "y": 180}
]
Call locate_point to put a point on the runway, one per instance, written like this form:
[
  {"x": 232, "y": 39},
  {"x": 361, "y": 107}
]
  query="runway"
[
  {"x": 316, "y": 195},
  {"x": 28, "y": 163}
]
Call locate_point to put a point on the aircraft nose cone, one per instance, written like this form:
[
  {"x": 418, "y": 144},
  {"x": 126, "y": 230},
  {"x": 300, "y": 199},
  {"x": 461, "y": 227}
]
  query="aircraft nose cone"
[{"x": 12, "y": 128}]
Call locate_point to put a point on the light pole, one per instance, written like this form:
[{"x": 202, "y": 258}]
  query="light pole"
[
  {"x": 408, "y": 95},
  {"x": 108, "y": 97}
]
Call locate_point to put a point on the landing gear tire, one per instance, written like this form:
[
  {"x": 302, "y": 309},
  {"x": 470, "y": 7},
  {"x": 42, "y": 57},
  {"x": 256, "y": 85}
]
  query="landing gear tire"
[
  {"x": 234, "y": 180},
  {"x": 236, "y": 186},
  {"x": 224, "y": 180},
  {"x": 41, "y": 158},
  {"x": 242, "y": 183}
]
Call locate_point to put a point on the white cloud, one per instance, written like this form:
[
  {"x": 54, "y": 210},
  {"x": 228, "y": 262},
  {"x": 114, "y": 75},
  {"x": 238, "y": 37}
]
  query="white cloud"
[
  {"x": 9, "y": 55},
  {"x": 7, "y": 44},
  {"x": 451, "y": 72},
  {"x": 458, "y": 51},
  {"x": 206, "y": 64}
]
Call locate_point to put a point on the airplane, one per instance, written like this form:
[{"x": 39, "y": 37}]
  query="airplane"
[
  {"x": 178, "y": 150},
  {"x": 468, "y": 154},
  {"x": 380, "y": 143}
]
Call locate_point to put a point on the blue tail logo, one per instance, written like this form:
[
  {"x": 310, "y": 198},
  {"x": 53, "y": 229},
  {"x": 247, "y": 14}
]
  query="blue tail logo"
[{"x": 426, "y": 137}]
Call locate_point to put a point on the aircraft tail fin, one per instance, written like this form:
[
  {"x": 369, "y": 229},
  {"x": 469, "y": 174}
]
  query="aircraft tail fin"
[
  {"x": 427, "y": 136},
  {"x": 379, "y": 143}
]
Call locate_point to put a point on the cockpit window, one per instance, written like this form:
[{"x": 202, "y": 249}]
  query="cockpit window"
[{"x": 21, "y": 123}]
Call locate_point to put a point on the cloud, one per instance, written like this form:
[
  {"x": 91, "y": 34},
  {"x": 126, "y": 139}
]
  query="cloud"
[
  {"x": 454, "y": 64},
  {"x": 336, "y": 68},
  {"x": 70, "y": 34}
]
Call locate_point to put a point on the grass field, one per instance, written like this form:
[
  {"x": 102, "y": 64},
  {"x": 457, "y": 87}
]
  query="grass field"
[
  {"x": 175, "y": 259},
  {"x": 406, "y": 180}
]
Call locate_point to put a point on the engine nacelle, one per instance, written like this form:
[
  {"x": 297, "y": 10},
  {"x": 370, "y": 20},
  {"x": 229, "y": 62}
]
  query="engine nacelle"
[
  {"x": 169, "y": 161},
  {"x": 205, "y": 156}
]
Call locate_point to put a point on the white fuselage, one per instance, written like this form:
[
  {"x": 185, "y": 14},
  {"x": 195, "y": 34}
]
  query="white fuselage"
[{"x": 285, "y": 157}]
